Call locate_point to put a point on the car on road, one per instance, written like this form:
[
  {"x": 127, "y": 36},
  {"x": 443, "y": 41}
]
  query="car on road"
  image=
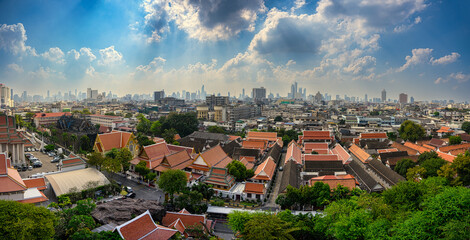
[
  {"x": 131, "y": 195},
  {"x": 280, "y": 168},
  {"x": 129, "y": 190}
]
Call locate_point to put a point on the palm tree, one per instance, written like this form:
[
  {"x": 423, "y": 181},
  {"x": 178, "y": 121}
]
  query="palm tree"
[
  {"x": 65, "y": 139},
  {"x": 74, "y": 138}
]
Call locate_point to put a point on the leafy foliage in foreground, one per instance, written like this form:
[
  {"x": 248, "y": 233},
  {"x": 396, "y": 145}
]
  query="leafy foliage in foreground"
[{"x": 430, "y": 209}]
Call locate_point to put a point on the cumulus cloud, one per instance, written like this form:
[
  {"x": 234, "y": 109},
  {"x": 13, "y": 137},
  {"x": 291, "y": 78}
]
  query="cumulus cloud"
[
  {"x": 459, "y": 77},
  {"x": 54, "y": 55},
  {"x": 360, "y": 65},
  {"x": 405, "y": 27},
  {"x": 202, "y": 20},
  {"x": 288, "y": 33},
  {"x": 156, "y": 65},
  {"x": 110, "y": 56},
  {"x": 372, "y": 14},
  {"x": 446, "y": 59},
  {"x": 13, "y": 39},
  {"x": 15, "y": 67},
  {"x": 419, "y": 55}
]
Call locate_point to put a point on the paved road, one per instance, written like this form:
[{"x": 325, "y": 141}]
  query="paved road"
[
  {"x": 142, "y": 191},
  {"x": 271, "y": 204}
]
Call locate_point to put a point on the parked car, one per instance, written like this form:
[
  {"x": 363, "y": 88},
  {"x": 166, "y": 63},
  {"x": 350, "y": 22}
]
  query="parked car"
[
  {"x": 37, "y": 164},
  {"x": 129, "y": 190},
  {"x": 56, "y": 159},
  {"x": 24, "y": 168},
  {"x": 30, "y": 168},
  {"x": 130, "y": 195}
]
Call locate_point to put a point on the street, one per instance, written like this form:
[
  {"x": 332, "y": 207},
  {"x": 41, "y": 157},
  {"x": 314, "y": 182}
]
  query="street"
[{"x": 142, "y": 191}]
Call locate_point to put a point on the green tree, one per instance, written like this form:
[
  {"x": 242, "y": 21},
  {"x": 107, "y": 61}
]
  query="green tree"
[
  {"x": 96, "y": 159},
  {"x": 73, "y": 138},
  {"x": 239, "y": 171},
  {"x": 403, "y": 165},
  {"x": 112, "y": 153},
  {"x": 454, "y": 140},
  {"x": 65, "y": 138},
  {"x": 353, "y": 225},
  {"x": 466, "y": 127},
  {"x": 427, "y": 155},
  {"x": 124, "y": 157},
  {"x": 432, "y": 166},
  {"x": 405, "y": 195},
  {"x": 84, "y": 143},
  {"x": 191, "y": 201},
  {"x": 238, "y": 219},
  {"x": 25, "y": 221},
  {"x": 78, "y": 222},
  {"x": 156, "y": 128},
  {"x": 143, "y": 140},
  {"x": 29, "y": 116},
  {"x": 141, "y": 169},
  {"x": 86, "y": 111},
  {"x": 169, "y": 135},
  {"x": 410, "y": 131},
  {"x": 49, "y": 147},
  {"x": 144, "y": 124},
  {"x": 416, "y": 174},
  {"x": 172, "y": 181},
  {"x": 392, "y": 136},
  {"x": 267, "y": 226},
  {"x": 340, "y": 192},
  {"x": 183, "y": 123},
  {"x": 459, "y": 170},
  {"x": 278, "y": 119},
  {"x": 206, "y": 190},
  {"x": 215, "y": 129},
  {"x": 84, "y": 207}
]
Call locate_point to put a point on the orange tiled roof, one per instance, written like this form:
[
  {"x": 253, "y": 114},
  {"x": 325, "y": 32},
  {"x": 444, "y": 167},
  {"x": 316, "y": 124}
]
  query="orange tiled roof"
[
  {"x": 447, "y": 157},
  {"x": 310, "y": 146},
  {"x": 247, "y": 164},
  {"x": 256, "y": 188},
  {"x": 143, "y": 227},
  {"x": 418, "y": 148},
  {"x": 360, "y": 153},
  {"x": 186, "y": 218},
  {"x": 269, "y": 136},
  {"x": 216, "y": 157},
  {"x": 447, "y": 149},
  {"x": 445, "y": 129},
  {"x": 265, "y": 170},
  {"x": 373, "y": 135},
  {"x": 293, "y": 152},
  {"x": 316, "y": 135},
  {"x": 233, "y": 137},
  {"x": 346, "y": 180},
  {"x": 320, "y": 157},
  {"x": 341, "y": 152},
  {"x": 379, "y": 151},
  {"x": 39, "y": 183},
  {"x": 115, "y": 139},
  {"x": 42, "y": 198},
  {"x": 255, "y": 144},
  {"x": 401, "y": 147}
]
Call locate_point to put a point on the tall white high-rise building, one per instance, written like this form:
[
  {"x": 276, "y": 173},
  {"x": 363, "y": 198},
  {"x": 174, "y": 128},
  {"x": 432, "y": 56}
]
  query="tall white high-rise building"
[{"x": 5, "y": 96}]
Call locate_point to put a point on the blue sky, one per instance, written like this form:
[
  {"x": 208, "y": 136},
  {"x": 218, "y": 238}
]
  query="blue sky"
[{"x": 352, "y": 47}]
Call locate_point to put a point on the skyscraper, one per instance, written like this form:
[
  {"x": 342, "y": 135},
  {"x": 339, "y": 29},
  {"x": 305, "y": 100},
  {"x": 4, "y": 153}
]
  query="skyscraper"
[
  {"x": 5, "y": 96},
  {"x": 403, "y": 98},
  {"x": 157, "y": 95},
  {"x": 259, "y": 94},
  {"x": 365, "y": 98},
  {"x": 384, "y": 95}
]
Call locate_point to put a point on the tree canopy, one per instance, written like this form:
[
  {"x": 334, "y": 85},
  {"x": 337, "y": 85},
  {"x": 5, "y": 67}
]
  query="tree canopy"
[
  {"x": 466, "y": 127},
  {"x": 410, "y": 131},
  {"x": 25, "y": 221},
  {"x": 239, "y": 171},
  {"x": 172, "y": 181},
  {"x": 403, "y": 166},
  {"x": 453, "y": 140}
]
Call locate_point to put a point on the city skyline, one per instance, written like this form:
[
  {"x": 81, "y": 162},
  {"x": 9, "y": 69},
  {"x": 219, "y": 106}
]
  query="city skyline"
[{"x": 140, "y": 47}]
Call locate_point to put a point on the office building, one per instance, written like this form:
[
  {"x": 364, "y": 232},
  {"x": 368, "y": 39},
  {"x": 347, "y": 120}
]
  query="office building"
[
  {"x": 384, "y": 95},
  {"x": 259, "y": 94},
  {"x": 5, "y": 96},
  {"x": 403, "y": 98},
  {"x": 158, "y": 95}
]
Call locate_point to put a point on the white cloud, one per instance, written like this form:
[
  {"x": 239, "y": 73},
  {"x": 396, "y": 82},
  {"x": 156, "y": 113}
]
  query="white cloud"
[
  {"x": 370, "y": 13},
  {"x": 108, "y": 56},
  {"x": 419, "y": 55},
  {"x": 405, "y": 27},
  {"x": 202, "y": 20},
  {"x": 460, "y": 77},
  {"x": 446, "y": 59},
  {"x": 54, "y": 55},
  {"x": 360, "y": 65},
  {"x": 156, "y": 65},
  {"x": 283, "y": 32},
  {"x": 15, "y": 67},
  {"x": 298, "y": 4},
  {"x": 13, "y": 39}
]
